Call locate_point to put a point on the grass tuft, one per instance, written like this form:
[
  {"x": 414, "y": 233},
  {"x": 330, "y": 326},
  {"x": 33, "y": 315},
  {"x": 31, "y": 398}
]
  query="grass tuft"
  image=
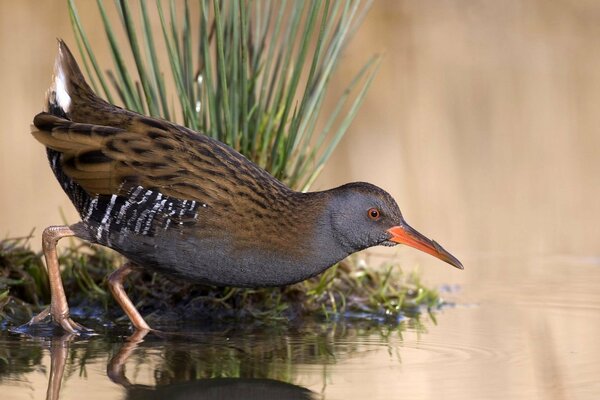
[{"x": 348, "y": 290}]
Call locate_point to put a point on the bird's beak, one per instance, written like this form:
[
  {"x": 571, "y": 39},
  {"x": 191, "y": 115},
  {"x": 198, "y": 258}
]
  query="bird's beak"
[{"x": 404, "y": 234}]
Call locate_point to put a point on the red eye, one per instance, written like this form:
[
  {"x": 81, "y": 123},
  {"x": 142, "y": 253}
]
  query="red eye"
[{"x": 374, "y": 214}]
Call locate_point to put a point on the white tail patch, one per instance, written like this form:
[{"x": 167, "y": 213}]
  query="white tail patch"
[{"x": 59, "y": 86}]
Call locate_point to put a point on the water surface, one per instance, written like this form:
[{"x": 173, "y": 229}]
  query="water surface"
[{"x": 525, "y": 331}]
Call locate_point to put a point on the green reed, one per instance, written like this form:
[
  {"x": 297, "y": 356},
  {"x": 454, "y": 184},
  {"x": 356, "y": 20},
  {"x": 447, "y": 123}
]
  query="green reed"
[{"x": 252, "y": 74}]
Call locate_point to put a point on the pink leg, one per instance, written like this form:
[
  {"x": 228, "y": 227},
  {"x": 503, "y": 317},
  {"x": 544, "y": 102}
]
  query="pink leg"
[
  {"x": 115, "y": 283},
  {"x": 59, "y": 308}
]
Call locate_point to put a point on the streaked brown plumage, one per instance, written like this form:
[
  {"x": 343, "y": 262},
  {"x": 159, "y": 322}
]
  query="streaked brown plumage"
[{"x": 179, "y": 202}]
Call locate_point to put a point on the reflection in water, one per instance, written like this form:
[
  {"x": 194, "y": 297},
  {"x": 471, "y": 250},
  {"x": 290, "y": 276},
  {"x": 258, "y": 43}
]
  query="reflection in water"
[
  {"x": 59, "y": 349},
  {"x": 216, "y": 388},
  {"x": 223, "y": 388},
  {"x": 229, "y": 361}
]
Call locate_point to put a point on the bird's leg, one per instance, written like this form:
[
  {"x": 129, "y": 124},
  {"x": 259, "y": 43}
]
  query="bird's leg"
[
  {"x": 115, "y": 284},
  {"x": 59, "y": 308}
]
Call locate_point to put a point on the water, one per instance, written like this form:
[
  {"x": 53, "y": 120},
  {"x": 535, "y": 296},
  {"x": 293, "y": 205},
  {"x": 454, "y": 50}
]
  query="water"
[{"x": 526, "y": 330}]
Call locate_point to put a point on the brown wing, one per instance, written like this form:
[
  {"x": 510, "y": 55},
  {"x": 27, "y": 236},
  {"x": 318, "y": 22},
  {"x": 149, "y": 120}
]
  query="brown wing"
[{"x": 151, "y": 153}]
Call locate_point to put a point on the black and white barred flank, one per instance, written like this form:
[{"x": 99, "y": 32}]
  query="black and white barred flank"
[{"x": 139, "y": 211}]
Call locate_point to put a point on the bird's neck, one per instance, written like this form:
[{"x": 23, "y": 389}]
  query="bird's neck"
[
  {"x": 295, "y": 235},
  {"x": 314, "y": 233}
]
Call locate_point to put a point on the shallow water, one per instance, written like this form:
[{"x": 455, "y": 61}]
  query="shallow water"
[{"x": 525, "y": 331}]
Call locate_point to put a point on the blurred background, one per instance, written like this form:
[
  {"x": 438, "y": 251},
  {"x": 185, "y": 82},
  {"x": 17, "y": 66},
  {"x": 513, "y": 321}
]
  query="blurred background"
[{"x": 482, "y": 123}]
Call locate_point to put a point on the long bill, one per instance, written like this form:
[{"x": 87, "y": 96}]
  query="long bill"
[{"x": 404, "y": 234}]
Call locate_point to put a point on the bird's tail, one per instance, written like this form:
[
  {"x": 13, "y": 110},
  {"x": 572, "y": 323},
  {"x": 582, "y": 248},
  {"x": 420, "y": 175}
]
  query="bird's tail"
[
  {"x": 71, "y": 97},
  {"x": 71, "y": 105},
  {"x": 68, "y": 83}
]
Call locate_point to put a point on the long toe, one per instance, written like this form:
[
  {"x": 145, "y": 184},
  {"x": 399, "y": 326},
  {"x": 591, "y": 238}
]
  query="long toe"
[
  {"x": 73, "y": 327},
  {"x": 37, "y": 319},
  {"x": 81, "y": 329},
  {"x": 41, "y": 325},
  {"x": 45, "y": 324}
]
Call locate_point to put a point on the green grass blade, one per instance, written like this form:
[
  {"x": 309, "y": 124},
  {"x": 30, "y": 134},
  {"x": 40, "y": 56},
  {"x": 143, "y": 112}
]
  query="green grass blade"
[
  {"x": 244, "y": 94},
  {"x": 88, "y": 48},
  {"x": 278, "y": 87},
  {"x": 153, "y": 62},
  {"x": 149, "y": 92},
  {"x": 129, "y": 92},
  {"x": 346, "y": 121},
  {"x": 281, "y": 156},
  {"x": 305, "y": 112},
  {"x": 187, "y": 110},
  {"x": 214, "y": 128},
  {"x": 81, "y": 50},
  {"x": 264, "y": 95},
  {"x": 188, "y": 72},
  {"x": 233, "y": 72},
  {"x": 221, "y": 70}
]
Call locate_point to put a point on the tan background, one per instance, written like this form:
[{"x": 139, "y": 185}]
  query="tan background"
[{"x": 483, "y": 122}]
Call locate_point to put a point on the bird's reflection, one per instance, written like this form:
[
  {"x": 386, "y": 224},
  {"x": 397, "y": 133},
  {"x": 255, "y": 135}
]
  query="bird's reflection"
[
  {"x": 59, "y": 350},
  {"x": 223, "y": 388},
  {"x": 216, "y": 360},
  {"x": 214, "y": 388}
]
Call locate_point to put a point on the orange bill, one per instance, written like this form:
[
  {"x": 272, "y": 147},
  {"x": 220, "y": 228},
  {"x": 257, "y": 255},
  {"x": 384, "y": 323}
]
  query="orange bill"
[{"x": 404, "y": 234}]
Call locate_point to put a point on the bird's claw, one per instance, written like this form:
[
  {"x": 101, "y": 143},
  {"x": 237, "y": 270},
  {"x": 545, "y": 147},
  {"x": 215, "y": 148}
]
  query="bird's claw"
[
  {"x": 73, "y": 327},
  {"x": 37, "y": 319},
  {"x": 59, "y": 319}
]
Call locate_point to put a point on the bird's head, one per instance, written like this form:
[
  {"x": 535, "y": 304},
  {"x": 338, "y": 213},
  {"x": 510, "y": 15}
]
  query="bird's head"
[{"x": 364, "y": 215}]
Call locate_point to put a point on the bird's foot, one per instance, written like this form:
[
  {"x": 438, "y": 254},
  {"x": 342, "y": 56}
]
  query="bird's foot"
[{"x": 48, "y": 318}]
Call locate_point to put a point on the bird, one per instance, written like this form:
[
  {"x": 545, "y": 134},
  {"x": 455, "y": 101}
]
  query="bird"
[{"x": 175, "y": 201}]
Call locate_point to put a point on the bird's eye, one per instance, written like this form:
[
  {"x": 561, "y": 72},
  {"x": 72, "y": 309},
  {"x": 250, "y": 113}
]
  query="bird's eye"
[{"x": 374, "y": 214}]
